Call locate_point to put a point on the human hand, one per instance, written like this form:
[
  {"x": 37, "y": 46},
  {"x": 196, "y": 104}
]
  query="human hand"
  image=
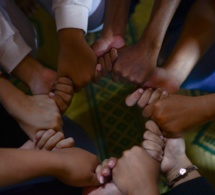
[
  {"x": 165, "y": 113},
  {"x": 105, "y": 49},
  {"x": 134, "y": 65},
  {"x": 77, "y": 167},
  {"x": 62, "y": 93},
  {"x": 104, "y": 170},
  {"x": 153, "y": 141},
  {"x": 143, "y": 97},
  {"x": 107, "y": 189},
  {"x": 29, "y": 111},
  {"x": 51, "y": 140},
  {"x": 76, "y": 60},
  {"x": 137, "y": 164}
]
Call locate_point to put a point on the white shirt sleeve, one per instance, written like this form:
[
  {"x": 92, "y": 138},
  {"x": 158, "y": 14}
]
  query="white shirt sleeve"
[
  {"x": 72, "y": 13},
  {"x": 12, "y": 47}
]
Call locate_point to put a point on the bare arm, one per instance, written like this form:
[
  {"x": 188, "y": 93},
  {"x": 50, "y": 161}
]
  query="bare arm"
[{"x": 197, "y": 36}]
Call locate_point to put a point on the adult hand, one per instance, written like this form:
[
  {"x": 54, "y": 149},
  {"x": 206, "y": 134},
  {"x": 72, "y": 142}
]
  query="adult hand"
[
  {"x": 174, "y": 114},
  {"x": 76, "y": 60},
  {"x": 137, "y": 164},
  {"x": 32, "y": 108},
  {"x": 77, "y": 167}
]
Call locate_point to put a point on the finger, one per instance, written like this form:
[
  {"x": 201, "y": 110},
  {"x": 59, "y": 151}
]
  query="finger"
[
  {"x": 148, "y": 111},
  {"x": 156, "y": 155},
  {"x": 60, "y": 103},
  {"x": 93, "y": 181},
  {"x": 52, "y": 141},
  {"x": 65, "y": 81},
  {"x": 68, "y": 89},
  {"x": 112, "y": 162},
  {"x": 65, "y": 143},
  {"x": 38, "y": 135},
  {"x": 153, "y": 127},
  {"x": 98, "y": 73},
  {"x": 46, "y": 136},
  {"x": 108, "y": 63},
  {"x": 132, "y": 99},
  {"x": 148, "y": 135},
  {"x": 148, "y": 145},
  {"x": 155, "y": 95},
  {"x": 102, "y": 62},
  {"x": 113, "y": 55},
  {"x": 66, "y": 98},
  {"x": 106, "y": 171},
  {"x": 144, "y": 99},
  {"x": 164, "y": 95}
]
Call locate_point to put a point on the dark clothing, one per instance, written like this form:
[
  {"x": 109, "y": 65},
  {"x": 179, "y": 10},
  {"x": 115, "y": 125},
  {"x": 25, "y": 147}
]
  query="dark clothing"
[
  {"x": 13, "y": 137},
  {"x": 198, "y": 186}
]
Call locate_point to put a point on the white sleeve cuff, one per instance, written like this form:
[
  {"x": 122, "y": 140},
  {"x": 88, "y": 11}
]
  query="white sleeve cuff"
[
  {"x": 72, "y": 16},
  {"x": 12, "y": 52}
]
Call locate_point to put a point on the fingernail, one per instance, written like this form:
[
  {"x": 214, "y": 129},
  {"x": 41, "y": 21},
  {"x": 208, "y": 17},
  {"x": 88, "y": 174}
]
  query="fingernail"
[
  {"x": 140, "y": 90},
  {"x": 101, "y": 179}
]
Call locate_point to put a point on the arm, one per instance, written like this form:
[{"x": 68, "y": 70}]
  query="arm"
[
  {"x": 165, "y": 112},
  {"x": 196, "y": 38},
  {"x": 76, "y": 59},
  {"x": 27, "y": 110},
  {"x": 36, "y": 163},
  {"x": 135, "y": 64}
]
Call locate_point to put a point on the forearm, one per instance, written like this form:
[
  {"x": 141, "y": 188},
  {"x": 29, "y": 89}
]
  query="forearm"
[
  {"x": 197, "y": 36},
  {"x": 162, "y": 14},
  {"x": 19, "y": 165},
  {"x": 8, "y": 91},
  {"x": 116, "y": 15}
]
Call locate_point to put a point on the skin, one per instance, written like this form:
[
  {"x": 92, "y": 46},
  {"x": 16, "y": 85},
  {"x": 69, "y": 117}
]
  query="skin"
[
  {"x": 27, "y": 110},
  {"x": 71, "y": 63},
  {"x": 136, "y": 63},
  {"x": 59, "y": 163},
  {"x": 196, "y": 38}
]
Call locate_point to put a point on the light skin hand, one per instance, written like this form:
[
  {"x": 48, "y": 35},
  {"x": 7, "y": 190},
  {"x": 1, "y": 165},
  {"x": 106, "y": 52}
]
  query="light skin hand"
[
  {"x": 165, "y": 113},
  {"x": 38, "y": 78},
  {"x": 30, "y": 119},
  {"x": 62, "y": 93},
  {"x": 104, "y": 170},
  {"x": 143, "y": 97},
  {"x": 51, "y": 140},
  {"x": 77, "y": 60}
]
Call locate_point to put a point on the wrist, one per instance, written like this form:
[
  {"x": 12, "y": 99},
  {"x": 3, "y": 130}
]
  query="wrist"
[{"x": 174, "y": 173}]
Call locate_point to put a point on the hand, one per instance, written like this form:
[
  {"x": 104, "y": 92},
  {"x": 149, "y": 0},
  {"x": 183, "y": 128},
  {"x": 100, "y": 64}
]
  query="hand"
[
  {"x": 106, "y": 189},
  {"x": 52, "y": 140},
  {"x": 77, "y": 60},
  {"x": 154, "y": 141},
  {"x": 174, "y": 114},
  {"x": 104, "y": 170},
  {"x": 134, "y": 65},
  {"x": 77, "y": 167},
  {"x": 62, "y": 93},
  {"x": 30, "y": 112},
  {"x": 105, "y": 50},
  {"x": 137, "y": 164},
  {"x": 144, "y": 97},
  {"x": 28, "y": 7}
]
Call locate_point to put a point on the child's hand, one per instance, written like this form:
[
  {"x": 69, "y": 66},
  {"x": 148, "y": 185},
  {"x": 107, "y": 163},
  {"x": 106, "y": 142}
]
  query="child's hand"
[
  {"x": 104, "y": 170},
  {"x": 62, "y": 93},
  {"x": 51, "y": 140},
  {"x": 143, "y": 97}
]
